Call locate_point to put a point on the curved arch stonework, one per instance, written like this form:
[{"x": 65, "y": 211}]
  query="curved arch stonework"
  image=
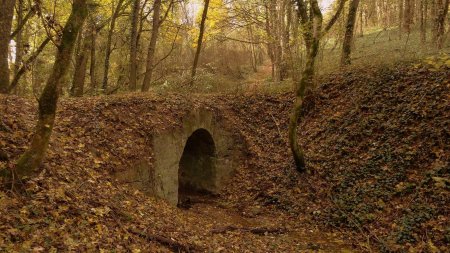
[{"x": 168, "y": 150}]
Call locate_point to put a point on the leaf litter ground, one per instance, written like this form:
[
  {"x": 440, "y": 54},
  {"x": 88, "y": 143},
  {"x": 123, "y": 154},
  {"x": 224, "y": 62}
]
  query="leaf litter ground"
[{"x": 376, "y": 141}]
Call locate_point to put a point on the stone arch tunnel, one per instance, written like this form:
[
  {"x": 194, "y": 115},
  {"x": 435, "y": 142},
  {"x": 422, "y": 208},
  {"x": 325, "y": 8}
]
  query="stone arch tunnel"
[
  {"x": 199, "y": 157},
  {"x": 197, "y": 167}
]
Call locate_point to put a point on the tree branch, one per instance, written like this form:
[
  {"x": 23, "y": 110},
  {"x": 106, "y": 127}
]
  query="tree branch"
[
  {"x": 24, "y": 67},
  {"x": 29, "y": 15},
  {"x": 335, "y": 17}
]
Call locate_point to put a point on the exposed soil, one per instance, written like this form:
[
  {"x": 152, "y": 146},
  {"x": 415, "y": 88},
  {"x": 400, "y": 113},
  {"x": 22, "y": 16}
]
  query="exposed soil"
[{"x": 376, "y": 141}]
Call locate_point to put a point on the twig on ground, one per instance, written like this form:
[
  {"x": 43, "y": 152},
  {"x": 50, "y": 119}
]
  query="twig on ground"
[
  {"x": 278, "y": 126},
  {"x": 256, "y": 230},
  {"x": 168, "y": 242}
]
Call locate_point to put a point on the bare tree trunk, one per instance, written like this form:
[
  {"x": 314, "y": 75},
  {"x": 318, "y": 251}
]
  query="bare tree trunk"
[
  {"x": 312, "y": 33},
  {"x": 19, "y": 38},
  {"x": 294, "y": 54},
  {"x": 92, "y": 68},
  {"x": 79, "y": 75},
  {"x": 361, "y": 23},
  {"x": 108, "y": 50},
  {"x": 423, "y": 20},
  {"x": 312, "y": 42},
  {"x": 287, "y": 14},
  {"x": 270, "y": 43},
  {"x": 307, "y": 80},
  {"x": 152, "y": 46},
  {"x": 348, "y": 38},
  {"x": 134, "y": 45},
  {"x": 200, "y": 41},
  {"x": 6, "y": 17},
  {"x": 440, "y": 22},
  {"x": 408, "y": 16},
  {"x": 32, "y": 158},
  {"x": 278, "y": 14},
  {"x": 252, "y": 49},
  {"x": 400, "y": 18}
]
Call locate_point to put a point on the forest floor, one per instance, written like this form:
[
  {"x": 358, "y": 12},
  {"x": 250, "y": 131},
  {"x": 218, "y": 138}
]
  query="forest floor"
[{"x": 376, "y": 141}]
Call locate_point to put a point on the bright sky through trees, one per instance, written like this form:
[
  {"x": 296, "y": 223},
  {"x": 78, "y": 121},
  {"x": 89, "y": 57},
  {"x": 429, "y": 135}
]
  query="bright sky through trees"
[{"x": 326, "y": 4}]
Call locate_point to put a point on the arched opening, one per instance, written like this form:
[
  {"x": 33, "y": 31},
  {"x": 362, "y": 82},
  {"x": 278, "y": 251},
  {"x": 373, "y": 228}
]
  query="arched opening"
[{"x": 196, "y": 174}]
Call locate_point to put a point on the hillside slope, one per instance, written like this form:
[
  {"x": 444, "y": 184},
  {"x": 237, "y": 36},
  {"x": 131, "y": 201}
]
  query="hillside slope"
[
  {"x": 376, "y": 141},
  {"x": 378, "y": 145}
]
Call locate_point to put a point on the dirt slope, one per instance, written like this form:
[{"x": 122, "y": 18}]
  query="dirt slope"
[{"x": 377, "y": 143}]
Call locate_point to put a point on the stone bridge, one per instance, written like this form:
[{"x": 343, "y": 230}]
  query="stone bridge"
[{"x": 199, "y": 158}]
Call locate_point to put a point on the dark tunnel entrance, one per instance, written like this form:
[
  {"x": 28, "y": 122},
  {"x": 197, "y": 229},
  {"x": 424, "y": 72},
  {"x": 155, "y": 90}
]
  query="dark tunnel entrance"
[{"x": 196, "y": 174}]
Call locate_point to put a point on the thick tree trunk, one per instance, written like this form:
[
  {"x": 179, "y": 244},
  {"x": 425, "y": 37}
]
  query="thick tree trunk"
[
  {"x": 134, "y": 44},
  {"x": 152, "y": 46},
  {"x": 79, "y": 75},
  {"x": 200, "y": 41},
  {"x": 108, "y": 50},
  {"x": 6, "y": 17},
  {"x": 348, "y": 38},
  {"x": 32, "y": 158}
]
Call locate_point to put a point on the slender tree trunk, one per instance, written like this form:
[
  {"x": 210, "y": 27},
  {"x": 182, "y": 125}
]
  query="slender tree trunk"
[
  {"x": 152, "y": 46},
  {"x": 361, "y": 23},
  {"x": 433, "y": 18},
  {"x": 287, "y": 13},
  {"x": 348, "y": 38},
  {"x": 92, "y": 68},
  {"x": 423, "y": 20},
  {"x": 200, "y": 40},
  {"x": 400, "y": 18},
  {"x": 79, "y": 75},
  {"x": 252, "y": 49},
  {"x": 32, "y": 158},
  {"x": 134, "y": 45},
  {"x": 294, "y": 55},
  {"x": 270, "y": 43},
  {"x": 440, "y": 22},
  {"x": 108, "y": 49},
  {"x": 312, "y": 33},
  {"x": 278, "y": 20},
  {"x": 6, "y": 17},
  {"x": 306, "y": 81},
  {"x": 408, "y": 16},
  {"x": 19, "y": 38}
]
